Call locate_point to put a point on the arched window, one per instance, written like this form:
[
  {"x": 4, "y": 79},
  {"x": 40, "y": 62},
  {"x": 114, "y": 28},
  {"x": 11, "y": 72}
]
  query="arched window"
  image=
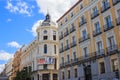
[{"x": 45, "y": 48}]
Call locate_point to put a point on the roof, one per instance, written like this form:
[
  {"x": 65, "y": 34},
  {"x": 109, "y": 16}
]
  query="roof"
[{"x": 69, "y": 10}]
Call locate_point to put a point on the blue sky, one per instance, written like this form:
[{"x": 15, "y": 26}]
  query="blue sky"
[{"x": 18, "y": 21}]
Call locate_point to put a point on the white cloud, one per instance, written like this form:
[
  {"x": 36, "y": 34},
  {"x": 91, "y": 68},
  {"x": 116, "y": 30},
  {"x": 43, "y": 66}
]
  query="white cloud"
[
  {"x": 56, "y": 7},
  {"x": 14, "y": 44},
  {"x": 5, "y": 56},
  {"x": 2, "y": 66},
  {"x": 9, "y": 20},
  {"x": 19, "y": 7},
  {"x": 34, "y": 27}
]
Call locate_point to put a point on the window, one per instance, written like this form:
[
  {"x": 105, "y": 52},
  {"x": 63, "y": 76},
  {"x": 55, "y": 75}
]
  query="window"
[
  {"x": 45, "y": 37},
  {"x": 83, "y": 19},
  {"x": 84, "y": 34},
  {"x": 115, "y": 65},
  {"x": 63, "y": 75},
  {"x": 75, "y": 73},
  {"x": 45, "y": 48},
  {"x": 61, "y": 24},
  {"x": 37, "y": 76},
  {"x": 67, "y": 43},
  {"x": 102, "y": 67},
  {"x": 62, "y": 60},
  {"x": 85, "y": 51},
  {"x": 55, "y": 65},
  {"x": 45, "y": 66},
  {"x": 68, "y": 74},
  {"x": 71, "y": 14},
  {"x": 97, "y": 27},
  {"x": 62, "y": 46},
  {"x": 99, "y": 46},
  {"x": 111, "y": 41},
  {"x": 55, "y": 49},
  {"x": 45, "y": 31},
  {"x": 54, "y": 37},
  {"x": 68, "y": 58},
  {"x": 66, "y": 30},
  {"x": 74, "y": 55},
  {"x": 95, "y": 9},
  {"x": 73, "y": 39},
  {"x": 108, "y": 21},
  {"x": 105, "y": 3},
  {"x": 66, "y": 19},
  {"x": 118, "y": 12},
  {"x": 81, "y": 6}
]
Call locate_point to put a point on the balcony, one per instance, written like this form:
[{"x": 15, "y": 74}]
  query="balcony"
[
  {"x": 84, "y": 38},
  {"x": 108, "y": 26},
  {"x": 67, "y": 63},
  {"x": 94, "y": 14},
  {"x": 61, "y": 50},
  {"x": 82, "y": 22},
  {"x": 66, "y": 33},
  {"x": 105, "y": 7},
  {"x": 72, "y": 29},
  {"x": 73, "y": 44},
  {"x": 118, "y": 21},
  {"x": 97, "y": 32},
  {"x": 62, "y": 65},
  {"x": 74, "y": 60},
  {"x": 115, "y": 2},
  {"x": 60, "y": 37},
  {"x": 112, "y": 49},
  {"x": 67, "y": 47}
]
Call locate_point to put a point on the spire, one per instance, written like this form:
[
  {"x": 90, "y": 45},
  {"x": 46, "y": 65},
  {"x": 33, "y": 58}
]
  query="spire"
[{"x": 47, "y": 17}]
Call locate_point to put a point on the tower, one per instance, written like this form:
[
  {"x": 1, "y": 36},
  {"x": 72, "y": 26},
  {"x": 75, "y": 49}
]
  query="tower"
[{"x": 47, "y": 59}]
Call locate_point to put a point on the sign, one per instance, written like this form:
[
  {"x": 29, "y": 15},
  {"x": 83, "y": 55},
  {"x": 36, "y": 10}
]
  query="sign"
[{"x": 46, "y": 60}]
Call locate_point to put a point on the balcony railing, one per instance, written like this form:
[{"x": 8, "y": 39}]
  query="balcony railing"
[
  {"x": 84, "y": 38},
  {"x": 73, "y": 44},
  {"x": 83, "y": 22},
  {"x": 94, "y": 14},
  {"x": 67, "y": 63},
  {"x": 108, "y": 26},
  {"x": 61, "y": 50},
  {"x": 97, "y": 32},
  {"x": 112, "y": 49},
  {"x": 115, "y": 2},
  {"x": 72, "y": 29},
  {"x": 105, "y": 7},
  {"x": 67, "y": 47},
  {"x": 60, "y": 37},
  {"x": 74, "y": 60},
  {"x": 118, "y": 21},
  {"x": 66, "y": 33},
  {"x": 62, "y": 64}
]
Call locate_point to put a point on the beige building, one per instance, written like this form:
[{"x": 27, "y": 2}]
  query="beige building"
[
  {"x": 16, "y": 63},
  {"x": 42, "y": 53},
  {"x": 8, "y": 68},
  {"x": 89, "y": 35}
]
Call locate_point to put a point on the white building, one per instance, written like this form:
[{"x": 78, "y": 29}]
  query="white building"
[{"x": 42, "y": 53}]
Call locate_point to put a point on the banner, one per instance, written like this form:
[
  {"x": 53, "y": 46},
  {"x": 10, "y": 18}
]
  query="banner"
[{"x": 46, "y": 60}]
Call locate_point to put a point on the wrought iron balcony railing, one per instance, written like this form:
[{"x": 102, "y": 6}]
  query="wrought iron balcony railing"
[
  {"x": 97, "y": 32},
  {"x": 84, "y": 38},
  {"x": 108, "y": 26},
  {"x": 94, "y": 14},
  {"x": 115, "y": 2}
]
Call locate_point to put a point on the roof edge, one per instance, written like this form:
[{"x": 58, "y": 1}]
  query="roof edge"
[{"x": 69, "y": 10}]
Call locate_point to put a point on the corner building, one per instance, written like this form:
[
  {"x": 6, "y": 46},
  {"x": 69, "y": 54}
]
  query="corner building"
[
  {"x": 42, "y": 53},
  {"x": 89, "y": 35}
]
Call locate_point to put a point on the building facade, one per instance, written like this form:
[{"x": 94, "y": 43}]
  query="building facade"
[
  {"x": 89, "y": 35},
  {"x": 42, "y": 53},
  {"x": 16, "y": 63},
  {"x": 8, "y": 68}
]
